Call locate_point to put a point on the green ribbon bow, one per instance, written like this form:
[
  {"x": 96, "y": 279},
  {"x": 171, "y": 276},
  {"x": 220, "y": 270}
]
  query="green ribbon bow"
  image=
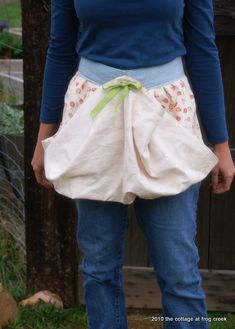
[{"x": 123, "y": 87}]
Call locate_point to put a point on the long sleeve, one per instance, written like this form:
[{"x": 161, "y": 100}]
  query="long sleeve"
[
  {"x": 203, "y": 67},
  {"x": 61, "y": 59}
]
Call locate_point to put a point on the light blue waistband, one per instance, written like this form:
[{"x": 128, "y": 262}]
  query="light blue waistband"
[{"x": 150, "y": 77}]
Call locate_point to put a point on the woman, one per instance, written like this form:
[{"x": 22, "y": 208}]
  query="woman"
[{"x": 148, "y": 41}]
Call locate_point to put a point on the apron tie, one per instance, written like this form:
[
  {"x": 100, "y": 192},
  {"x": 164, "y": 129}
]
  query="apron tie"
[{"x": 120, "y": 87}]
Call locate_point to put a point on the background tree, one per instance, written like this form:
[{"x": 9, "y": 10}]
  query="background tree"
[{"x": 50, "y": 218}]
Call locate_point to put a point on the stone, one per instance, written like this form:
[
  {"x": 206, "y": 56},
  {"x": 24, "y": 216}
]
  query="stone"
[
  {"x": 8, "y": 307},
  {"x": 46, "y": 296}
]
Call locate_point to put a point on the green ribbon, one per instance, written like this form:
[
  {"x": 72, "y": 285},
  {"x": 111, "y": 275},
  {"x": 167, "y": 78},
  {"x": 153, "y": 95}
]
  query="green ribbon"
[{"x": 120, "y": 87}]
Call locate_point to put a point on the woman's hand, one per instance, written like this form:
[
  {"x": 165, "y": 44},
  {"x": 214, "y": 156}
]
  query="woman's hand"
[
  {"x": 223, "y": 173},
  {"x": 38, "y": 166},
  {"x": 45, "y": 130}
]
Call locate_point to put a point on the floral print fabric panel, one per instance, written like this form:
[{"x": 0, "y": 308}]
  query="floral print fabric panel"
[{"x": 176, "y": 98}]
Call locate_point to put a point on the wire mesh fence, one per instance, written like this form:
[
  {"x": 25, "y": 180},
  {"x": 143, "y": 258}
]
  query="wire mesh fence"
[
  {"x": 12, "y": 187},
  {"x": 11, "y": 122}
]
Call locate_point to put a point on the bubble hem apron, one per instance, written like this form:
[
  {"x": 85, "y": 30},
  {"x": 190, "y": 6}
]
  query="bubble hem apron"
[{"x": 127, "y": 133}]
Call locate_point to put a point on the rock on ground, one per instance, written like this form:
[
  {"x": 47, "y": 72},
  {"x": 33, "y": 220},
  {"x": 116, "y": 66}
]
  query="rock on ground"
[{"x": 8, "y": 307}]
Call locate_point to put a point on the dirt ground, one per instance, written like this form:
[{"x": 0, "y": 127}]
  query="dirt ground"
[{"x": 144, "y": 319}]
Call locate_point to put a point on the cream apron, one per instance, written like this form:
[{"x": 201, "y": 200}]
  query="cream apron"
[{"x": 119, "y": 140}]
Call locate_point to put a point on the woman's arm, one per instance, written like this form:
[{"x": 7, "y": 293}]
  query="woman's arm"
[
  {"x": 61, "y": 59},
  {"x": 61, "y": 64},
  {"x": 203, "y": 66}
]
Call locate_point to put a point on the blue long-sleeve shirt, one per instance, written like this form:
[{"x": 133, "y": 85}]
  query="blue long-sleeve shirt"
[{"x": 129, "y": 34}]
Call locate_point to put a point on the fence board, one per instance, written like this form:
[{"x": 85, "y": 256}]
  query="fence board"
[
  {"x": 142, "y": 290},
  {"x": 224, "y": 17},
  {"x": 136, "y": 252},
  {"x": 222, "y": 233},
  {"x": 226, "y": 46}
]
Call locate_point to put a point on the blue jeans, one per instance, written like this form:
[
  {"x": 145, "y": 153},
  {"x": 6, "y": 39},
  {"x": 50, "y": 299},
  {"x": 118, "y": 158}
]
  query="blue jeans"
[{"x": 169, "y": 227}]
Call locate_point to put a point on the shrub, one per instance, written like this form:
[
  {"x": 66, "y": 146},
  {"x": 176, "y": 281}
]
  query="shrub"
[
  {"x": 10, "y": 46},
  {"x": 11, "y": 120}
]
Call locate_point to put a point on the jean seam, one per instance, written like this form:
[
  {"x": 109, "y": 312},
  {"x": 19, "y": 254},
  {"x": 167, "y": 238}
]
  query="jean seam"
[
  {"x": 118, "y": 281},
  {"x": 117, "y": 298},
  {"x": 117, "y": 293}
]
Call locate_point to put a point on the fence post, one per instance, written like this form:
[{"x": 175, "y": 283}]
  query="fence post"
[{"x": 50, "y": 218}]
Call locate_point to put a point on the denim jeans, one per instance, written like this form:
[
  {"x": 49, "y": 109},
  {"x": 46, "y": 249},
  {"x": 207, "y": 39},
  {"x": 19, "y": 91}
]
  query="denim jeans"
[{"x": 169, "y": 227}]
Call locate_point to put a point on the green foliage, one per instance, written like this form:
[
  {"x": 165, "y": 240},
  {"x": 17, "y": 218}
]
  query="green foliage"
[
  {"x": 11, "y": 12},
  {"x": 8, "y": 42},
  {"x": 228, "y": 324},
  {"x": 11, "y": 120},
  {"x": 46, "y": 316},
  {"x": 7, "y": 94},
  {"x": 12, "y": 266}
]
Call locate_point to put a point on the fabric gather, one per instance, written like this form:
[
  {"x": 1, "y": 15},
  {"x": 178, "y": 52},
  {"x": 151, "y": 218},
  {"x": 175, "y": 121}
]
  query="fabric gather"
[{"x": 121, "y": 87}]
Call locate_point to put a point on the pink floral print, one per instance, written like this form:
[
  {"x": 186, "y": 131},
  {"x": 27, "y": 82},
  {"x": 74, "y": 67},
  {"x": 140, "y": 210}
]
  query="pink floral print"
[
  {"x": 178, "y": 99},
  {"x": 78, "y": 90},
  {"x": 175, "y": 97}
]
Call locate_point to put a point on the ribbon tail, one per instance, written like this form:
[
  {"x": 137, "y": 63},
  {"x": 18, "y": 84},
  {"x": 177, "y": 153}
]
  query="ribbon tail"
[
  {"x": 111, "y": 94},
  {"x": 121, "y": 98}
]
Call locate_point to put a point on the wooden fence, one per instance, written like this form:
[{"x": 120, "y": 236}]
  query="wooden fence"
[{"x": 50, "y": 219}]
